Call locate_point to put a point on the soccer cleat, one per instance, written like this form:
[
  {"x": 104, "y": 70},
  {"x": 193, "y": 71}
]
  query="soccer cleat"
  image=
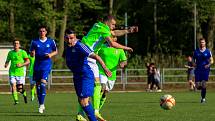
[
  {"x": 79, "y": 117},
  {"x": 25, "y": 99},
  {"x": 41, "y": 108},
  {"x": 16, "y": 102},
  {"x": 203, "y": 100},
  {"x": 32, "y": 98},
  {"x": 159, "y": 90},
  {"x": 99, "y": 117}
]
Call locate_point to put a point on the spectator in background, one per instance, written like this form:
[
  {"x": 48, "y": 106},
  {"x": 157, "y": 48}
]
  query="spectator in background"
[
  {"x": 150, "y": 75},
  {"x": 190, "y": 73},
  {"x": 156, "y": 81}
]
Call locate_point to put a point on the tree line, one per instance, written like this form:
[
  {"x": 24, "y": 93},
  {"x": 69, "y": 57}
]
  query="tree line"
[{"x": 166, "y": 27}]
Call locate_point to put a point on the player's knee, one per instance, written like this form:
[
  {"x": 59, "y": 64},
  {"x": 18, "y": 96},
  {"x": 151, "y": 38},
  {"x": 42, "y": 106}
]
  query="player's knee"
[
  {"x": 84, "y": 102},
  {"x": 19, "y": 87},
  {"x": 43, "y": 81}
]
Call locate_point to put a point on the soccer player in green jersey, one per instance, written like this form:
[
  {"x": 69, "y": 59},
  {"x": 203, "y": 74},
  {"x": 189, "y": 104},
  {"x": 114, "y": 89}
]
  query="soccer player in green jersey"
[
  {"x": 19, "y": 59},
  {"x": 30, "y": 75},
  {"x": 96, "y": 37},
  {"x": 112, "y": 57}
]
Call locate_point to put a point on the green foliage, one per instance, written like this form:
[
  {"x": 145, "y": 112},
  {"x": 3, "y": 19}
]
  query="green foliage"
[{"x": 175, "y": 24}]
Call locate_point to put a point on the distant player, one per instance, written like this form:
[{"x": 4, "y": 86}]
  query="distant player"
[
  {"x": 76, "y": 55},
  {"x": 203, "y": 60},
  {"x": 30, "y": 75},
  {"x": 98, "y": 35},
  {"x": 44, "y": 48},
  {"x": 112, "y": 57},
  {"x": 190, "y": 72},
  {"x": 19, "y": 59}
]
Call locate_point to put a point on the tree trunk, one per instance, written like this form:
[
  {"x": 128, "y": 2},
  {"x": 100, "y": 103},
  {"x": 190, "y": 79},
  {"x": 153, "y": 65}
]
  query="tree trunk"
[
  {"x": 11, "y": 19},
  {"x": 210, "y": 36},
  {"x": 53, "y": 22},
  {"x": 63, "y": 28},
  {"x": 110, "y": 7}
]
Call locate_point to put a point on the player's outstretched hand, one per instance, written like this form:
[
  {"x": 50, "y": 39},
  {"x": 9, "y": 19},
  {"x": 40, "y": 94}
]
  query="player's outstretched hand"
[
  {"x": 129, "y": 49},
  {"x": 133, "y": 29}
]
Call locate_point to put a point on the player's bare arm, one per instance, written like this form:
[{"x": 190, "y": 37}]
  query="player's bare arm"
[
  {"x": 123, "y": 64},
  {"x": 117, "y": 45},
  {"x": 124, "y": 31},
  {"x": 211, "y": 62},
  {"x": 6, "y": 64},
  {"x": 101, "y": 62}
]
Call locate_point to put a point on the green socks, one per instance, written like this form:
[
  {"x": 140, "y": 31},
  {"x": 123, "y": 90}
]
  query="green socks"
[
  {"x": 102, "y": 101},
  {"x": 97, "y": 96},
  {"x": 33, "y": 90},
  {"x": 15, "y": 96}
]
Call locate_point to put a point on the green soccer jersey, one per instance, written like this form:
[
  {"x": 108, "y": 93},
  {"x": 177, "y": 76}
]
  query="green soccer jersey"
[
  {"x": 16, "y": 58},
  {"x": 111, "y": 57},
  {"x": 31, "y": 67},
  {"x": 96, "y": 36}
]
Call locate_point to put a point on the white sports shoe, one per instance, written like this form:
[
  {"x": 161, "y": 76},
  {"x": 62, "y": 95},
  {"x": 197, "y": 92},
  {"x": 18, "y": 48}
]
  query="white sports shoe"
[{"x": 41, "y": 108}]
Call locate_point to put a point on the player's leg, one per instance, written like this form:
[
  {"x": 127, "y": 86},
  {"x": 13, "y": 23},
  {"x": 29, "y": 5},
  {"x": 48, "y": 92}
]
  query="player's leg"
[
  {"x": 205, "y": 76},
  {"x": 88, "y": 108},
  {"x": 203, "y": 91},
  {"x": 84, "y": 87},
  {"x": 14, "y": 90},
  {"x": 33, "y": 87},
  {"x": 104, "y": 91},
  {"x": 20, "y": 87}
]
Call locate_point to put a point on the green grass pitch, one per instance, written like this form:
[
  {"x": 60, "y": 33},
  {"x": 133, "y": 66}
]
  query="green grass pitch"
[{"x": 132, "y": 106}]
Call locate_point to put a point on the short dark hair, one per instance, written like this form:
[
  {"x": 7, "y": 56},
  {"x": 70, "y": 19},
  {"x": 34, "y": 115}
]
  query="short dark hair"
[
  {"x": 202, "y": 39},
  {"x": 15, "y": 39},
  {"x": 43, "y": 26},
  {"x": 108, "y": 18},
  {"x": 69, "y": 31}
]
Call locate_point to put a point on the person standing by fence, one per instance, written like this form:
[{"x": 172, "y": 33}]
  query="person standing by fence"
[{"x": 190, "y": 73}]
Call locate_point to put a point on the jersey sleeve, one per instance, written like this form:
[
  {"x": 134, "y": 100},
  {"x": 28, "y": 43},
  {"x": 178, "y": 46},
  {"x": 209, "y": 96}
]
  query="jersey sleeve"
[
  {"x": 85, "y": 50},
  {"x": 54, "y": 47},
  {"x": 25, "y": 55},
  {"x": 32, "y": 46},
  {"x": 122, "y": 56}
]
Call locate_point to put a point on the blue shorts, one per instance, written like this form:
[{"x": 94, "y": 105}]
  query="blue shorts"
[
  {"x": 42, "y": 74},
  {"x": 201, "y": 74},
  {"x": 84, "y": 86}
]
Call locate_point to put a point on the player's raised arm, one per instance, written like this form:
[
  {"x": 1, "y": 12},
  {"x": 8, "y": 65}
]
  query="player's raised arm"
[
  {"x": 125, "y": 31},
  {"x": 117, "y": 45},
  {"x": 98, "y": 59}
]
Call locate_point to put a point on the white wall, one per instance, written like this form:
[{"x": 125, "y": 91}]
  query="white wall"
[{"x": 3, "y": 56}]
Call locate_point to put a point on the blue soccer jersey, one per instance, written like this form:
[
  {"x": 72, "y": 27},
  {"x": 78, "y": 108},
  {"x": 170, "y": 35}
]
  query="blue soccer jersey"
[
  {"x": 42, "y": 62},
  {"x": 76, "y": 60},
  {"x": 202, "y": 58}
]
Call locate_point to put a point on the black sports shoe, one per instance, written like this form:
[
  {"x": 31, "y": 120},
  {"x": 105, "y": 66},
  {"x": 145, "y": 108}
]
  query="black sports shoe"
[
  {"x": 16, "y": 102},
  {"x": 25, "y": 99}
]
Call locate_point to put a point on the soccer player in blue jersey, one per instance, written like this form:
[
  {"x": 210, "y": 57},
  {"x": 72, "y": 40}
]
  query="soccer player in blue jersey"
[
  {"x": 203, "y": 60},
  {"x": 44, "y": 48},
  {"x": 76, "y": 55}
]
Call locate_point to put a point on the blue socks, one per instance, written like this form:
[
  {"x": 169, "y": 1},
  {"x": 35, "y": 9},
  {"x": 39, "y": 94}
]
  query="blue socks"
[
  {"x": 90, "y": 112},
  {"x": 41, "y": 93},
  {"x": 203, "y": 93}
]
